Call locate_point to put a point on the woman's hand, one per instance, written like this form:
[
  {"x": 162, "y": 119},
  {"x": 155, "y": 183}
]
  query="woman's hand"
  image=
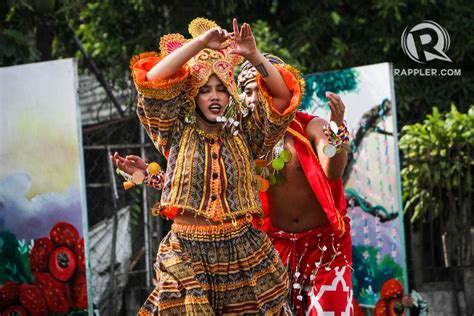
[
  {"x": 244, "y": 42},
  {"x": 129, "y": 164},
  {"x": 216, "y": 38}
]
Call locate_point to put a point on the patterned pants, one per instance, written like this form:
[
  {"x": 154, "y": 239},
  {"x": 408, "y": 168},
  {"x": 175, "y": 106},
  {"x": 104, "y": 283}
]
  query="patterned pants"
[
  {"x": 217, "y": 270},
  {"x": 319, "y": 269}
]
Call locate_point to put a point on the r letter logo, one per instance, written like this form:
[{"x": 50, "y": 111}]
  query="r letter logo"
[{"x": 426, "y": 41}]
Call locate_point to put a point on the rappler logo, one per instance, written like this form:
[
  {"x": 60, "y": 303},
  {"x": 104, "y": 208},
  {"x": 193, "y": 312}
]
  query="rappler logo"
[{"x": 426, "y": 41}]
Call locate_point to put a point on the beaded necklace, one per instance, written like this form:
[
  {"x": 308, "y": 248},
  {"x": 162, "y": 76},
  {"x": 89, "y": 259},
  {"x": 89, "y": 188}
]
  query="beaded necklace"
[{"x": 269, "y": 172}]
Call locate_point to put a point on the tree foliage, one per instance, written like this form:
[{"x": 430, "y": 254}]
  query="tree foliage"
[
  {"x": 315, "y": 36},
  {"x": 15, "y": 43},
  {"x": 342, "y": 34},
  {"x": 437, "y": 158},
  {"x": 437, "y": 176}
]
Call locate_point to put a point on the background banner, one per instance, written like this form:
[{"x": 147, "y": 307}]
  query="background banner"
[
  {"x": 43, "y": 216},
  {"x": 372, "y": 177}
]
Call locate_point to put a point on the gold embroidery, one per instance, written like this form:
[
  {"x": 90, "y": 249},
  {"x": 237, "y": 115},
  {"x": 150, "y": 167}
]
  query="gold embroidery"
[
  {"x": 216, "y": 186},
  {"x": 191, "y": 175},
  {"x": 160, "y": 141},
  {"x": 161, "y": 206},
  {"x": 250, "y": 180},
  {"x": 239, "y": 174},
  {"x": 225, "y": 186},
  {"x": 179, "y": 164},
  {"x": 170, "y": 42},
  {"x": 205, "y": 184},
  {"x": 210, "y": 136}
]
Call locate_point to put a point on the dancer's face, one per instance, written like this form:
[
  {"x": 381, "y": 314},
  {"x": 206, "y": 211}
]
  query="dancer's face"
[
  {"x": 251, "y": 93},
  {"x": 212, "y": 98}
]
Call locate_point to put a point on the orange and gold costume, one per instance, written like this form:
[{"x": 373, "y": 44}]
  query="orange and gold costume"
[{"x": 229, "y": 267}]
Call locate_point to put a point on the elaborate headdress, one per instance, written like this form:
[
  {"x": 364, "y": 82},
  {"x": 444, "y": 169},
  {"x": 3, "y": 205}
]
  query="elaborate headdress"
[
  {"x": 206, "y": 62},
  {"x": 248, "y": 72}
]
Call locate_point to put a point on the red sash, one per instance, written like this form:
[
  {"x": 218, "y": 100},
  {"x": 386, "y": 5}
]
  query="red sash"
[{"x": 330, "y": 194}]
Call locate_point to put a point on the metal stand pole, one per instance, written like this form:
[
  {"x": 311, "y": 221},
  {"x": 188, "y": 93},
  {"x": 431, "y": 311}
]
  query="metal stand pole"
[
  {"x": 115, "y": 197},
  {"x": 146, "y": 225}
]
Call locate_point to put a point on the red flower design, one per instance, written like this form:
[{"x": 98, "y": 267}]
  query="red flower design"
[
  {"x": 390, "y": 302},
  {"x": 58, "y": 265}
]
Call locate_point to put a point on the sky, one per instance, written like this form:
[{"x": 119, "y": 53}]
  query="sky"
[{"x": 40, "y": 170}]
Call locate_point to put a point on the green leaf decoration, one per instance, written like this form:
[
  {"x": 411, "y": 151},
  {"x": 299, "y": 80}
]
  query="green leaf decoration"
[
  {"x": 285, "y": 155},
  {"x": 272, "y": 179},
  {"x": 14, "y": 263},
  {"x": 280, "y": 179},
  {"x": 370, "y": 273},
  {"x": 336, "y": 81},
  {"x": 278, "y": 163}
]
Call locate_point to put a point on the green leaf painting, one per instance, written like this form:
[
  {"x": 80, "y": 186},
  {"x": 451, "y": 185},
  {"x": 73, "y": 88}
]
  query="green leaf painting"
[
  {"x": 14, "y": 265},
  {"x": 317, "y": 85},
  {"x": 369, "y": 274}
]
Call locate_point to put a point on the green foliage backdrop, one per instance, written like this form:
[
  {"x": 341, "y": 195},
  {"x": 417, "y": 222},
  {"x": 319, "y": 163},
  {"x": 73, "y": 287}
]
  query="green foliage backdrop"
[
  {"x": 437, "y": 157},
  {"x": 315, "y": 36},
  {"x": 437, "y": 177}
]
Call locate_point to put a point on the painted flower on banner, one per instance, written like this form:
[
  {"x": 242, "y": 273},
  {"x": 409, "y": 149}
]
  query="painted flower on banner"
[
  {"x": 53, "y": 283},
  {"x": 390, "y": 302}
]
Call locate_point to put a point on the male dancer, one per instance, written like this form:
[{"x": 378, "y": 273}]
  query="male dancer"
[{"x": 307, "y": 220}]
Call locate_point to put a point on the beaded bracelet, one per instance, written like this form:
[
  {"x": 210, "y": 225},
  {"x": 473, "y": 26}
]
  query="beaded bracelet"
[
  {"x": 153, "y": 176},
  {"x": 338, "y": 138},
  {"x": 156, "y": 181}
]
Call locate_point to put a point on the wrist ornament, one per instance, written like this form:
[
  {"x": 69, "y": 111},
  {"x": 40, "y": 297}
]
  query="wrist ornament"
[{"x": 338, "y": 139}]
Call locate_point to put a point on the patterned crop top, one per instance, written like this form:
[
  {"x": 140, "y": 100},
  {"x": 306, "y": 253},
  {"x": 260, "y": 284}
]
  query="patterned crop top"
[{"x": 210, "y": 175}]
